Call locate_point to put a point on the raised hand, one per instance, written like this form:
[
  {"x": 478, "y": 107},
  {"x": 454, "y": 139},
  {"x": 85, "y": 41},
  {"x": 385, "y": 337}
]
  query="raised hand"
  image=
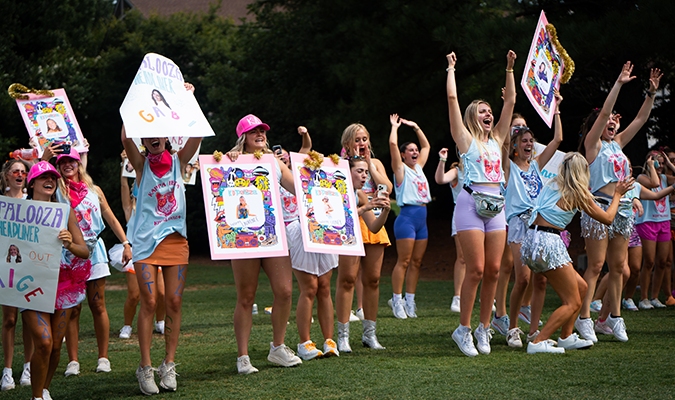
[
  {"x": 624, "y": 76},
  {"x": 510, "y": 59},
  {"x": 654, "y": 79},
  {"x": 443, "y": 154},
  {"x": 302, "y": 130},
  {"x": 189, "y": 87},
  {"x": 395, "y": 120},
  {"x": 624, "y": 185},
  {"x": 452, "y": 60}
]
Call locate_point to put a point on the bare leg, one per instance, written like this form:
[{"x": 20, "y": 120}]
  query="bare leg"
[
  {"x": 73, "y": 333},
  {"x": 538, "y": 283},
  {"x": 160, "y": 313},
  {"x": 303, "y": 315},
  {"x": 246, "y": 274},
  {"x": 648, "y": 259},
  {"x": 358, "y": 286},
  {"x": 505, "y": 269},
  {"x": 371, "y": 267},
  {"x": 413, "y": 273},
  {"x": 404, "y": 248},
  {"x": 596, "y": 250},
  {"x": 96, "y": 300},
  {"x": 634, "y": 263},
  {"x": 39, "y": 325},
  {"x": 175, "y": 285},
  {"x": 133, "y": 297},
  {"x": 344, "y": 292},
  {"x": 523, "y": 278},
  {"x": 324, "y": 306},
  {"x": 460, "y": 268},
  {"x": 279, "y": 272},
  {"x": 663, "y": 250},
  {"x": 617, "y": 259},
  {"x": 9, "y": 315},
  {"x": 146, "y": 275},
  {"x": 60, "y": 320},
  {"x": 571, "y": 288}
]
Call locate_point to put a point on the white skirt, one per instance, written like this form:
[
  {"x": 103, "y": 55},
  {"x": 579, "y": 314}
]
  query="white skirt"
[{"x": 311, "y": 263}]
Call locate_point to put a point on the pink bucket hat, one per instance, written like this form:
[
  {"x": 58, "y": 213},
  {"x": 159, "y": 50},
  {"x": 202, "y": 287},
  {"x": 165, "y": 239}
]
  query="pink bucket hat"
[
  {"x": 43, "y": 167},
  {"x": 73, "y": 154},
  {"x": 250, "y": 122}
]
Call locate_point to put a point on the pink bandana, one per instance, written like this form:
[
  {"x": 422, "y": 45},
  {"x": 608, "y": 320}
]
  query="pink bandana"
[
  {"x": 160, "y": 163},
  {"x": 78, "y": 191}
]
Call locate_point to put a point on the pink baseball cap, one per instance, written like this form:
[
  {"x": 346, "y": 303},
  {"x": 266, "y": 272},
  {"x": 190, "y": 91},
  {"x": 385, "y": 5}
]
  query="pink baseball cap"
[
  {"x": 250, "y": 122},
  {"x": 41, "y": 168},
  {"x": 73, "y": 154}
]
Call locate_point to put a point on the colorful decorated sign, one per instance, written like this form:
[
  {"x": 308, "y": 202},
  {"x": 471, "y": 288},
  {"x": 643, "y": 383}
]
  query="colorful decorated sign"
[
  {"x": 157, "y": 104},
  {"x": 30, "y": 253},
  {"x": 550, "y": 170},
  {"x": 177, "y": 143},
  {"x": 243, "y": 210},
  {"x": 542, "y": 73},
  {"x": 51, "y": 119},
  {"x": 329, "y": 216}
]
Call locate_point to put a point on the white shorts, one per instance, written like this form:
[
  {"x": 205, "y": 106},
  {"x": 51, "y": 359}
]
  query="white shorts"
[
  {"x": 311, "y": 263},
  {"x": 98, "y": 271},
  {"x": 517, "y": 230}
]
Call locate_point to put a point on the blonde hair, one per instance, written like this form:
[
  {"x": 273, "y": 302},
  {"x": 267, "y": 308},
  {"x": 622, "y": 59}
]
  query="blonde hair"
[
  {"x": 473, "y": 125},
  {"x": 84, "y": 177},
  {"x": 515, "y": 138},
  {"x": 572, "y": 181},
  {"x": 240, "y": 144},
  {"x": 348, "y": 138},
  {"x": 5, "y": 170}
]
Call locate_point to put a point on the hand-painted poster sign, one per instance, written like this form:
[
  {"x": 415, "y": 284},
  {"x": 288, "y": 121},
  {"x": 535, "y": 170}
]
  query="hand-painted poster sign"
[
  {"x": 542, "y": 73},
  {"x": 550, "y": 170},
  {"x": 177, "y": 143},
  {"x": 51, "y": 119},
  {"x": 329, "y": 216},
  {"x": 243, "y": 210},
  {"x": 157, "y": 104},
  {"x": 30, "y": 253}
]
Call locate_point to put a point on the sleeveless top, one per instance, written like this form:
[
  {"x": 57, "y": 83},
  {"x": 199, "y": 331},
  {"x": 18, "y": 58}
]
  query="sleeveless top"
[
  {"x": 659, "y": 210},
  {"x": 458, "y": 186},
  {"x": 546, "y": 205},
  {"x": 522, "y": 189},
  {"x": 160, "y": 209},
  {"x": 88, "y": 214},
  {"x": 414, "y": 190},
  {"x": 289, "y": 205},
  {"x": 483, "y": 167},
  {"x": 611, "y": 165}
]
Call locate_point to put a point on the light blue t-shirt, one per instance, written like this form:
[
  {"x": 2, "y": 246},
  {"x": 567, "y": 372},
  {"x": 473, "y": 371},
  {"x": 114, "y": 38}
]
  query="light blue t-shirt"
[
  {"x": 88, "y": 214},
  {"x": 458, "y": 186},
  {"x": 546, "y": 204},
  {"x": 522, "y": 189},
  {"x": 483, "y": 166},
  {"x": 659, "y": 210},
  {"x": 160, "y": 209},
  {"x": 611, "y": 165},
  {"x": 414, "y": 190}
]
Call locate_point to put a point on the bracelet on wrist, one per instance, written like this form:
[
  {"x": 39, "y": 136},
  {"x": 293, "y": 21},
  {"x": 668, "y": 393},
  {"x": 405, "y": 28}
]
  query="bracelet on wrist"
[
  {"x": 443, "y": 159},
  {"x": 651, "y": 94},
  {"x": 450, "y": 69},
  {"x": 509, "y": 70}
]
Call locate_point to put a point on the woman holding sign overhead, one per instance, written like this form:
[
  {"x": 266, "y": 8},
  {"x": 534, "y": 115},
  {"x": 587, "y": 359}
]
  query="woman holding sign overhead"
[
  {"x": 252, "y": 133},
  {"x": 159, "y": 235},
  {"x": 48, "y": 330},
  {"x": 480, "y": 222}
]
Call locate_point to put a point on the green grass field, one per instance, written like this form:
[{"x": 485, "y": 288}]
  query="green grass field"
[{"x": 421, "y": 359}]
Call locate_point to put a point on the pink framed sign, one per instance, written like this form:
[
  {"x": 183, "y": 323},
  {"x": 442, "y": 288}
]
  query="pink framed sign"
[
  {"x": 243, "y": 210},
  {"x": 329, "y": 216}
]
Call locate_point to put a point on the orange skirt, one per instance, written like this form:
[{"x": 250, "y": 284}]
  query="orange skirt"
[
  {"x": 173, "y": 250},
  {"x": 369, "y": 237}
]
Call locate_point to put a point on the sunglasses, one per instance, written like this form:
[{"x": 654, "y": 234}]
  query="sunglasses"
[
  {"x": 17, "y": 172},
  {"x": 518, "y": 129}
]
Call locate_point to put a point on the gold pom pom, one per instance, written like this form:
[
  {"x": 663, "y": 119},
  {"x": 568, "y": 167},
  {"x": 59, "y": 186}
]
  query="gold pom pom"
[
  {"x": 258, "y": 154},
  {"x": 335, "y": 158},
  {"x": 569, "y": 63},
  {"x": 314, "y": 160},
  {"x": 217, "y": 155},
  {"x": 15, "y": 91}
]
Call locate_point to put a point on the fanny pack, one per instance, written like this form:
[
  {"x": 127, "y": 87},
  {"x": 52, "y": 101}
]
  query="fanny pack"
[{"x": 487, "y": 205}]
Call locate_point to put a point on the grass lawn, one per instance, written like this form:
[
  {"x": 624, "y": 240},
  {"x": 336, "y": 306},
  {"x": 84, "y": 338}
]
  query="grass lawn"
[{"x": 421, "y": 359}]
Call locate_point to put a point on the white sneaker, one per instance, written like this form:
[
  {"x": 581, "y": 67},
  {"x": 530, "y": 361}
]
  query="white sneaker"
[
  {"x": 397, "y": 308},
  {"x": 103, "y": 365},
  {"x": 283, "y": 356},
  {"x": 410, "y": 308},
  {"x": 353, "y": 317},
  {"x": 146, "y": 380},
  {"x": 657, "y": 303},
  {"x": 7, "y": 380},
  {"x": 330, "y": 348},
  {"x": 513, "y": 337},
  {"x": 629, "y": 304},
  {"x": 501, "y": 324},
  {"x": 25, "y": 375},
  {"x": 543, "y": 347},
  {"x": 602, "y": 327},
  {"x": 532, "y": 337},
  {"x": 308, "y": 351},
  {"x": 618, "y": 327},
  {"x": 159, "y": 327},
  {"x": 585, "y": 329},
  {"x": 125, "y": 332},
  {"x": 360, "y": 315},
  {"x": 596, "y": 305},
  {"x": 462, "y": 336},
  {"x": 483, "y": 336},
  {"x": 494, "y": 306},
  {"x": 573, "y": 342},
  {"x": 244, "y": 366},
  {"x": 46, "y": 395},
  {"x": 73, "y": 368},
  {"x": 167, "y": 375},
  {"x": 525, "y": 315},
  {"x": 454, "y": 307},
  {"x": 644, "y": 304}
]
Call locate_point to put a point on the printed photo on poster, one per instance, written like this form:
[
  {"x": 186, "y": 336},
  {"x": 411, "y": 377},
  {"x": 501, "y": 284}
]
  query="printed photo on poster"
[
  {"x": 543, "y": 70},
  {"x": 157, "y": 104},
  {"x": 51, "y": 120},
  {"x": 30, "y": 253},
  {"x": 328, "y": 210},
  {"x": 243, "y": 210},
  {"x": 177, "y": 143}
]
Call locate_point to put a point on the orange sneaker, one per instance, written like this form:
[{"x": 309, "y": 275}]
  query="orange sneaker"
[{"x": 670, "y": 301}]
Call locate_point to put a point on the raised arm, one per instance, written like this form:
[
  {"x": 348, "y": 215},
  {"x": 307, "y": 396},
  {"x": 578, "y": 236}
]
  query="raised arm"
[
  {"x": 306, "y": 140},
  {"x": 441, "y": 176},
  {"x": 124, "y": 189},
  {"x": 503, "y": 127},
  {"x": 374, "y": 224},
  {"x": 425, "y": 147},
  {"x": 396, "y": 161},
  {"x": 550, "y": 149},
  {"x": 592, "y": 141},
  {"x": 286, "y": 177},
  {"x": 646, "y": 109},
  {"x": 192, "y": 144},
  {"x": 135, "y": 157},
  {"x": 459, "y": 133},
  {"x": 646, "y": 194}
]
